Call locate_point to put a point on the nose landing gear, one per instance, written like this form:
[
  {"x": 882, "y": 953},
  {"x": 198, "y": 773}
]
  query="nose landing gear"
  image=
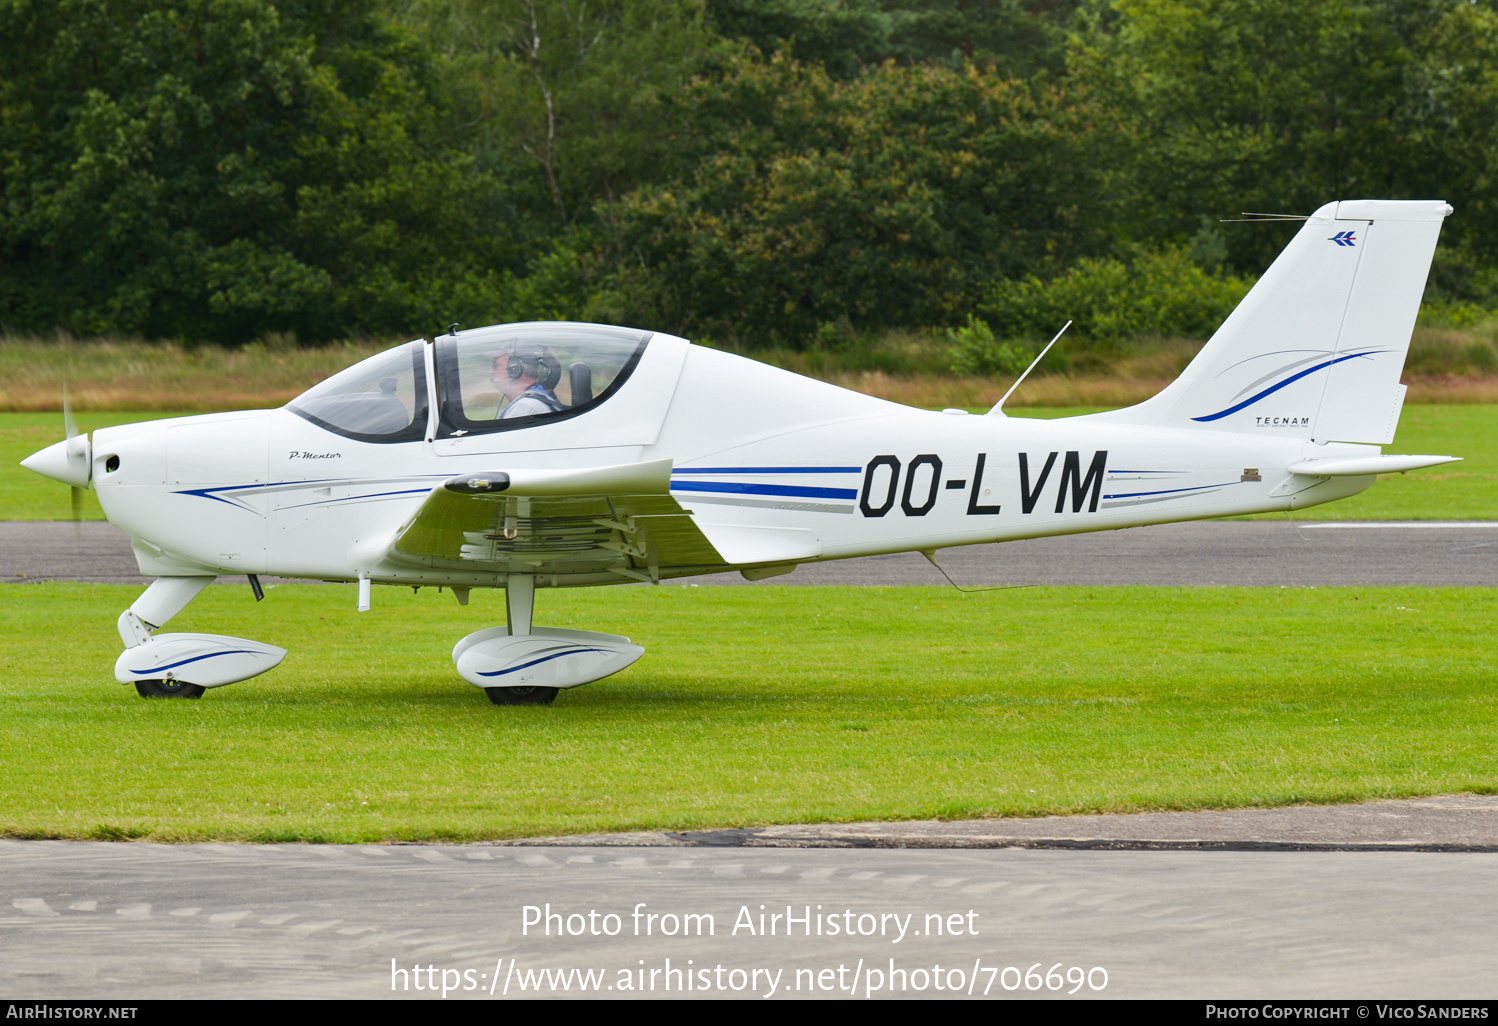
[
  {"x": 157, "y": 663},
  {"x": 521, "y": 696}
]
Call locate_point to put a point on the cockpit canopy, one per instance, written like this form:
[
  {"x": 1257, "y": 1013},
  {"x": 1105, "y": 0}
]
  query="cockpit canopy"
[
  {"x": 381, "y": 399},
  {"x": 490, "y": 379}
]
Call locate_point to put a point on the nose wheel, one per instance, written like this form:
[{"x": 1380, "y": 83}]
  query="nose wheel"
[
  {"x": 168, "y": 689},
  {"x": 521, "y": 696}
]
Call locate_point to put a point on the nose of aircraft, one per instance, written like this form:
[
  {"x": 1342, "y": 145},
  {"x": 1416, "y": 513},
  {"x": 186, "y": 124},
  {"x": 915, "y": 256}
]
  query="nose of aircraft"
[{"x": 67, "y": 461}]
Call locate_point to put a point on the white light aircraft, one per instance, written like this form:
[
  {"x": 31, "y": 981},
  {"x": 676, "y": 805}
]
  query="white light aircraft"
[{"x": 558, "y": 455}]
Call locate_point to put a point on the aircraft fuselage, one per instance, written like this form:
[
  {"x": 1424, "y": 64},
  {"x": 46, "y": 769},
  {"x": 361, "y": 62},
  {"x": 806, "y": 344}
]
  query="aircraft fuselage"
[{"x": 269, "y": 492}]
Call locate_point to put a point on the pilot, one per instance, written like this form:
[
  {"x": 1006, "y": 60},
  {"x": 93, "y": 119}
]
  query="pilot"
[{"x": 526, "y": 374}]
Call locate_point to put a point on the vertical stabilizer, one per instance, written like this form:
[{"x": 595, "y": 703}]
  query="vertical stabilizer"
[{"x": 1316, "y": 348}]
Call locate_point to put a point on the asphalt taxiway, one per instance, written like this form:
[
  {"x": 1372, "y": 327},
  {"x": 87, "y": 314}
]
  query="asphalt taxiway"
[
  {"x": 1235, "y": 553},
  {"x": 98, "y": 920}
]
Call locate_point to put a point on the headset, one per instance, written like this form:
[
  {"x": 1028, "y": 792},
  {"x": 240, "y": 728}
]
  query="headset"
[{"x": 532, "y": 361}]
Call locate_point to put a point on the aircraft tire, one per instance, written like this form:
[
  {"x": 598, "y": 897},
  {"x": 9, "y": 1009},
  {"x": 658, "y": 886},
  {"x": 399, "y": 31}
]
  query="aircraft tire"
[
  {"x": 168, "y": 689},
  {"x": 521, "y": 696}
]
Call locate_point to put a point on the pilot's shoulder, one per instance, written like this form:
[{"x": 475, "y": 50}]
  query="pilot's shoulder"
[{"x": 527, "y": 405}]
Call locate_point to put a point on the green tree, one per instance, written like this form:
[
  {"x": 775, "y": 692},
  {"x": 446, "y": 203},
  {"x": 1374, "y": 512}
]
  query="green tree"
[
  {"x": 843, "y": 36},
  {"x": 218, "y": 169},
  {"x": 1018, "y": 37},
  {"x": 890, "y": 199},
  {"x": 1454, "y": 136},
  {"x": 572, "y": 92},
  {"x": 1281, "y": 106}
]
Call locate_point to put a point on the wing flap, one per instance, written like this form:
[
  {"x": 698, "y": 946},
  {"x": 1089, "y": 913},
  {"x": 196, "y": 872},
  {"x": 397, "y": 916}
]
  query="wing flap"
[
  {"x": 621, "y": 520},
  {"x": 741, "y": 543}
]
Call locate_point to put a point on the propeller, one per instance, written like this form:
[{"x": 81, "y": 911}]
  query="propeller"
[{"x": 77, "y": 449}]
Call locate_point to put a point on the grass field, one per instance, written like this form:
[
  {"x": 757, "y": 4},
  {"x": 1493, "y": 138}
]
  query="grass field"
[
  {"x": 1462, "y": 491},
  {"x": 115, "y": 375},
  {"x": 753, "y": 705}
]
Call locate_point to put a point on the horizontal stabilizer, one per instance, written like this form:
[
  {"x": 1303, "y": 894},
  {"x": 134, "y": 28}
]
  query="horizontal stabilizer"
[{"x": 1360, "y": 466}]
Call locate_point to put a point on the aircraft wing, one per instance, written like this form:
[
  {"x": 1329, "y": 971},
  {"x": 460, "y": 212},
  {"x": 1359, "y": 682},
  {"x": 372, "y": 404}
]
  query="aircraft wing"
[{"x": 619, "y": 520}]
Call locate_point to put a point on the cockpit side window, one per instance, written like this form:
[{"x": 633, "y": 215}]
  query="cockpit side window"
[
  {"x": 519, "y": 375},
  {"x": 381, "y": 399}
]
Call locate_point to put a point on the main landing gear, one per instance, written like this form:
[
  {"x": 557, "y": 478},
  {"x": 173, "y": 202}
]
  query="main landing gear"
[
  {"x": 168, "y": 689},
  {"x": 519, "y": 664}
]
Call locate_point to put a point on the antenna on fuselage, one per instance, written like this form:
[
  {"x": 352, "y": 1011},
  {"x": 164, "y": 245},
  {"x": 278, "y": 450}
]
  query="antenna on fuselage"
[
  {"x": 930, "y": 555},
  {"x": 999, "y": 406}
]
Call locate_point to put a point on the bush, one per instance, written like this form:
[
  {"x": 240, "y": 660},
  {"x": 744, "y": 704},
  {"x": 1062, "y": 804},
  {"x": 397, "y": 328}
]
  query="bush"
[
  {"x": 1111, "y": 302},
  {"x": 1446, "y": 350},
  {"x": 975, "y": 351},
  {"x": 1442, "y": 312}
]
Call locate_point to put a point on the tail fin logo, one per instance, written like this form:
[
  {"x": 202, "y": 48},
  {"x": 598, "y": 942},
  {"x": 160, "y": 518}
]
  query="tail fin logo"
[
  {"x": 1365, "y": 354},
  {"x": 1344, "y": 239}
]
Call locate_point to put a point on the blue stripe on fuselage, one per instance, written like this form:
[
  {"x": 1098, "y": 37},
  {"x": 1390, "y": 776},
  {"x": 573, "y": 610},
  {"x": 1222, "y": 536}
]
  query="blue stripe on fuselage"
[
  {"x": 768, "y": 470},
  {"x": 741, "y": 488}
]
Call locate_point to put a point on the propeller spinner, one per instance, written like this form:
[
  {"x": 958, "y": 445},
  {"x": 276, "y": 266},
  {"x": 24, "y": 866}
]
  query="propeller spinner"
[{"x": 69, "y": 461}]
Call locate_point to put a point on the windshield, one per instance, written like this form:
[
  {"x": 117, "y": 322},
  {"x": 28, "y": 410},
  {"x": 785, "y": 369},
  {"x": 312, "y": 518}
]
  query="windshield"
[
  {"x": 381, "y": 399},
  {"x": 517, "y": 375}
]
